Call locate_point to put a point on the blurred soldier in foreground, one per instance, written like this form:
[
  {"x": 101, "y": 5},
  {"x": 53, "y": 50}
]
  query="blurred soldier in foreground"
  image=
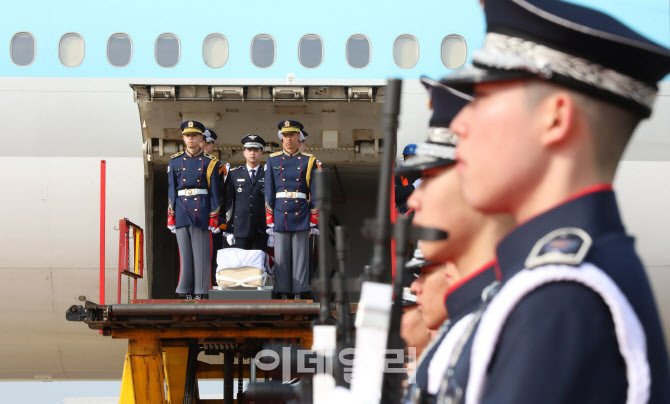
[
  {"x": 193, "y": 210},
  {"x": 469, "y": 250},
  {"x": 290, "y": 211},
  {"x": 558, "y": 91},
  {"x": 413, "y": 328},
  {"x": 245, "y": 199}
]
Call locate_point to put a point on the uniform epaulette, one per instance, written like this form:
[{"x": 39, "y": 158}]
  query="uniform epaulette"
[
  {"x": 177, "y": 154},
  {"x": 235, "y": 168},
  {"x": 209, "y": 156},
  {"x": 307, "y": 154},
  {"x": 275, "y": 154}
]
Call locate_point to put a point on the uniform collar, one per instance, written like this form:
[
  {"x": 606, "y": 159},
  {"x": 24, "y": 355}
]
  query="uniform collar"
[
  {"x": 193, "y": 155},
  {"x": 249, "y": 168},
  {"x": 465, "y": 296},
  {"x": 593, "y": 210},
  {"x": 291, "y": 155}
]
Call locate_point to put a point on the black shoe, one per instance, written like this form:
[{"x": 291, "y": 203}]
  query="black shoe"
[
  {"x": 284, "y": 297},
  {"x": 189, "y": 296},
  {"x": 201, "y": 297},
  {"x": 296, "y": 296}
]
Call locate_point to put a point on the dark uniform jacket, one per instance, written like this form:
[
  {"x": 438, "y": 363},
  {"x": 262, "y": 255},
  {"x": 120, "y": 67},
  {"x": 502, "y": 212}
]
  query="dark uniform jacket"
[
  {"x": 290, "y": 173},
  {"x": 403, "y": 189},
  {"x": 462, "y": 299},
  {"x": 558, "y": 345},
  {"x": 190, "y": 173},
  {"x": 245, "y": 203}
]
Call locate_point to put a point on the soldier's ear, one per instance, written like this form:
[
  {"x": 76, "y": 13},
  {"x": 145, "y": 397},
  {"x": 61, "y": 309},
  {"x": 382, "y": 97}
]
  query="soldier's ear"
[{"x": 557, "y": 117}]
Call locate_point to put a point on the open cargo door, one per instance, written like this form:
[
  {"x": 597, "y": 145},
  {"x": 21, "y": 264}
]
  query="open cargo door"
[{"x": 344, "y": 126}]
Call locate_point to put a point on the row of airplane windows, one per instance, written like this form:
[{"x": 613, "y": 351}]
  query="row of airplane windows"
[{"x": 167, "y": 50}]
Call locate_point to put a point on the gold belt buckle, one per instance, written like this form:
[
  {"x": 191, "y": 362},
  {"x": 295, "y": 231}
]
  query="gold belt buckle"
[
  {"x": 290, "y": 195},
  {"x": 190, "y": 192}
]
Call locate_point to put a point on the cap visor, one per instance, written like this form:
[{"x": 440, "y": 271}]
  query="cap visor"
[
  {"x": 420, "y": 163},
  {"x": 464, "y": 80}
]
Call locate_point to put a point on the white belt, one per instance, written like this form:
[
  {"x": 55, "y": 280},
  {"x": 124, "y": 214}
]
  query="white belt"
[
  {"x": 291, "y": 195},
  {"x": 192, "y": 191}
]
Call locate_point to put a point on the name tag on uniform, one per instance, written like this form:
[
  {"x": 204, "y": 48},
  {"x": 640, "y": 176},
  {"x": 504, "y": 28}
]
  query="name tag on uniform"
[
  {"x": 275, "y": 168},
  {"x": 240, "y": 180}
]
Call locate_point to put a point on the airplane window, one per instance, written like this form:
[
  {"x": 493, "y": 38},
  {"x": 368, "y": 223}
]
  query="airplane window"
[
  {"x": 406, "y": 51},
  {"x": 310, "y": 51},
  {"x": 22, "y": 49},
  {"x": 71, "y": 49},
  {"x": 119, "y": 50},
  {"x": 263, "y": 50},
  {"x": 358, "y": 51},
  {"x": 454, "y": 51},
  {"x": 168, "y": 50},
  {"x": 215, "y": 50}
]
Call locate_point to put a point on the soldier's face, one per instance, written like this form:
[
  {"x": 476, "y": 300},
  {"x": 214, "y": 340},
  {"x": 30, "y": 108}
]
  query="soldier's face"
[
  {"x": 499, "y": 153},
  {"x": 192, "y": 140},
  {"x": 291, "y": 140},
  {"x": 253, "y": 155},
  {"x": 207, "y": 147},
  {"x": 430, "y": 288},
  {"x": 438, "y": 202},
  {"x": 413, "y": 329}
]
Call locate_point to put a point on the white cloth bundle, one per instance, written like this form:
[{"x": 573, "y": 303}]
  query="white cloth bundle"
[{"x": 241, "y": 268}]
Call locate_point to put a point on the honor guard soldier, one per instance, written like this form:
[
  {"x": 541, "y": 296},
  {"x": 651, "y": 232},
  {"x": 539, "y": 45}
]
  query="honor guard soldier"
[
  {"x": 193, "y": 210},
  {"x": 467, "y": 255},
  {"x": 404, "y": 186},
  {"x": 207, "y": 145},
  {"x": 208, "y": 139},
  {"x": 290, "y": 210},
  {"x": 558, "y": 91},
  {"x": 245, "y": 199},
  {"x": 313, "y": 230}
]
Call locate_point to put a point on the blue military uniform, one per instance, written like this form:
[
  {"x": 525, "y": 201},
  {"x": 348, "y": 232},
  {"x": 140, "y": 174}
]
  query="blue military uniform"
[
  {"x": 193, "y": 189},
  {"x": 289, "y": 208},
  {"x": 584, "y": 340},
  {"x": 193, "y": 209},
  {"x": 575, "y": 320},
  {"x": 245, "y": 202},
  {"x": 438, "y": 151}
]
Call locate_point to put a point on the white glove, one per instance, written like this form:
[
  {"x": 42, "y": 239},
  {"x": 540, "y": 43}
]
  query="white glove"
[
  {"x": 172, "y": 228},
  {"x": 230, "y": 238},
  {"x": 213, "y": 229},
  {"x": 270, "y": 231},
  {"x": 312, "y": 224},
  {"x": 271, "y": 241},
  {"x": 314, "y": 230}
]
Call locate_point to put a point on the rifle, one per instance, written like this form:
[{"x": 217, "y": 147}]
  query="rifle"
[
  {"x": 345, "y": 331},
  {"x": 373, "y": 314}
]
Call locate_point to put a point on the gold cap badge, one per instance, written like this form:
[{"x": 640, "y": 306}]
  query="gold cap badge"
[
  {"x": 190, "y": 124},
  {"x": 287, "y": 123}
]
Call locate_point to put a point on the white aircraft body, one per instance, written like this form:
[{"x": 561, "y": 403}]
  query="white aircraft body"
[{"x": 85, "y": 82}]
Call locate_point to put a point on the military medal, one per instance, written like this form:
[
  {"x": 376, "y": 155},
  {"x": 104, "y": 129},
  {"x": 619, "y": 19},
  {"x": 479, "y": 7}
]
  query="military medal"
[{"x": 239, "y": 189}]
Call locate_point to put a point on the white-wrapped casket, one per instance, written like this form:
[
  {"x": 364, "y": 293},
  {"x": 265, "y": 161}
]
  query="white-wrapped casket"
[{"x": 238, "y": 269}]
